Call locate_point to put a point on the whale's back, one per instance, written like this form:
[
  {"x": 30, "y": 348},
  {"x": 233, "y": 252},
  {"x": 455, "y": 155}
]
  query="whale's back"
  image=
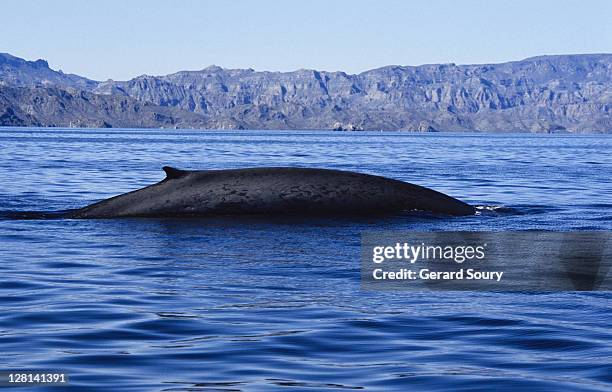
[{"x": 278, "y": 190}]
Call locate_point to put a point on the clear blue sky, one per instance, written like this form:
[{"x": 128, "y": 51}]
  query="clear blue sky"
[{"x": 123, "y": 39}]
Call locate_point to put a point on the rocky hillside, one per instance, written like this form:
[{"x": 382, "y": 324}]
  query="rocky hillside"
[
  {"x": 59, "y": 107},
  {"x": 541, "y": 94}
]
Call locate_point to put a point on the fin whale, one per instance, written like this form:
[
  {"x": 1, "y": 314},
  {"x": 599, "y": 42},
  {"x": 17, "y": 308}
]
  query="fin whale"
[{"x": 272, "y": 191}]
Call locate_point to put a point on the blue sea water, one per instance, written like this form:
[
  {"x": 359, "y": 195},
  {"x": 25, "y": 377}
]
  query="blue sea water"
[{"x": 262, "y": 305}]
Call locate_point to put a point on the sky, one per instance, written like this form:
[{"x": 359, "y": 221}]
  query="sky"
[{"x": 120, "y": 39}]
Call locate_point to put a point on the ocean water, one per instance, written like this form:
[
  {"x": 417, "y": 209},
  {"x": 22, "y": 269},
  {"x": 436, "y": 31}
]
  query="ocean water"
[{"x": 275, "y": 304}]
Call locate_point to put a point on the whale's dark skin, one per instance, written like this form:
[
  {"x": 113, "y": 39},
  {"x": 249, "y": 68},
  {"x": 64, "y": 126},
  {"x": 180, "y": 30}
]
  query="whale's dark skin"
[{"x": 273, "y": 191}]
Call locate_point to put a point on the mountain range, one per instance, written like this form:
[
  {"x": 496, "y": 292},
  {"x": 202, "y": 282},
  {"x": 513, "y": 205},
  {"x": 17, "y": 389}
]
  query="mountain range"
[{"x": 562, "y": 93}]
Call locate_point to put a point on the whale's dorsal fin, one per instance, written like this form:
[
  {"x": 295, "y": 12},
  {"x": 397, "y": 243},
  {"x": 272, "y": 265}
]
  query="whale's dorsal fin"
[{"x": 172, "y": 173}]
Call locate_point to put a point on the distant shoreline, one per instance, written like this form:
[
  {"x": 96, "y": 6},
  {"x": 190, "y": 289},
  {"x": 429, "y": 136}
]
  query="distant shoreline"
[{"x": 135, "y": 129}]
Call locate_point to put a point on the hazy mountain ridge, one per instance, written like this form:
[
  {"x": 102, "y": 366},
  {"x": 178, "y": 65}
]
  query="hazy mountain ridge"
[
  {"x": 540, "y": 94},
  {"x": 17, "y": 72}
]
